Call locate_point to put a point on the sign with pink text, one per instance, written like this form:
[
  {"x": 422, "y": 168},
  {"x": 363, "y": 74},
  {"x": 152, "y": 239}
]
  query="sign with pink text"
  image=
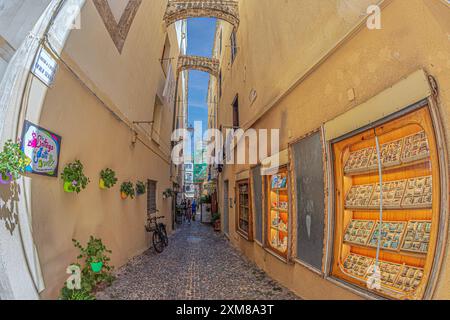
[{"x": 42, "y": 148}]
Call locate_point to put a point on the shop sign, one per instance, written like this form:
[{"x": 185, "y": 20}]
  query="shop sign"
[
  {"x": 42, "y": 147},
  {"x": 200, "y": 173},
  {"x": 45, "y": 67}
]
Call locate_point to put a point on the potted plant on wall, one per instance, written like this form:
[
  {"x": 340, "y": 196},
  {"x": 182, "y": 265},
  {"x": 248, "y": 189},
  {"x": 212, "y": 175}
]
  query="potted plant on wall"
[
  {"x": 74, "y": 178},
  {"x": 127, "y": 190},
  {"x": 216, "y": 221},
  {"x": 140, "y": 188},
  {"x": 12, "y": 162},
  {"x": 96, "y": 271},
  {"x": 107, "y": 179},
  {"x": 168, "y": 193}
]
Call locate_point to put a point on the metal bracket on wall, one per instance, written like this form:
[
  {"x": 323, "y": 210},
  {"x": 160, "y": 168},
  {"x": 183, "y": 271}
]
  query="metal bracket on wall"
[{"x": 434, "y": 85}]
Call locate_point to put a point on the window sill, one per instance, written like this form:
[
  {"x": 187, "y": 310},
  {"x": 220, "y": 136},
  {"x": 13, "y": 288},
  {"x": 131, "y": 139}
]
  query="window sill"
[
  {"x": 281, "y": 258},
  {"x": 243, "y": 235}
]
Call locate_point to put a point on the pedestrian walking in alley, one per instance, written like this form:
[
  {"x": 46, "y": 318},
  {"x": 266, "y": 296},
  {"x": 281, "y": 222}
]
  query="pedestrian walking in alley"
[
  {"x": 194, "y": 209},
  {"x": 189, "y": 212}
]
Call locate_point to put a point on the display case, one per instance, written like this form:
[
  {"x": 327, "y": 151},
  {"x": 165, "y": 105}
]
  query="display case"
[
  {"x": 244, "y": 209},
  {"x": 278, "y": 213},
  {"x": 410, "y": 206}
]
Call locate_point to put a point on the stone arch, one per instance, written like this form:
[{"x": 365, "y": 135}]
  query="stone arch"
[
  {"x": 204, "y": 64},
  {"x": 226, "y": 10}
]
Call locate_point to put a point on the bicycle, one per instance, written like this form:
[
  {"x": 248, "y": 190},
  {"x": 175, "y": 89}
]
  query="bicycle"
[{"x": 160, "y": 239}]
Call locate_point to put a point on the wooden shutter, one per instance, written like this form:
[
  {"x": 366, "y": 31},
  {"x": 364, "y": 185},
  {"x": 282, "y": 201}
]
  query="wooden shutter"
[{"x": 151, "y": 197}]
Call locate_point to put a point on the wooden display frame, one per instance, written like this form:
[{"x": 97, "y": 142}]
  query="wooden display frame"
[
  {"x": 401, "y": 127},
  {"x": 269, "y": 227},
  {"x": 248, "y": 235}
]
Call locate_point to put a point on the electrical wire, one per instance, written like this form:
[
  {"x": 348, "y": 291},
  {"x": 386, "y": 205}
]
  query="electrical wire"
[{"x": 380, "y": 174}]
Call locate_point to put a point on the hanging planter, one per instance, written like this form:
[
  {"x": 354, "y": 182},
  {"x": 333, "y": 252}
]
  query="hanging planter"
[
  {"x": 140, "y": 188},
  {"x": 6, "y": 178},
  {"x": 127, "y": 190},
  {"x": 68, "y": 187},
  {"x": 107, "y": 179},
  {"x": 168, "y": 193},
  {"x": 74, "y": 178},
  {"x": 97, "y": 266},
  {"x": 13, "y": 162},
  {"x": 101, "y": 184}
]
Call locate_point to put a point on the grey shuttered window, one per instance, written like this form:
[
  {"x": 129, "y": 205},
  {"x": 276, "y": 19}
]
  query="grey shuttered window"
[
  {"x": 258, "y": 203},
  {"x": 151, "y": 197},
  {"x": 309, "y": 175}
]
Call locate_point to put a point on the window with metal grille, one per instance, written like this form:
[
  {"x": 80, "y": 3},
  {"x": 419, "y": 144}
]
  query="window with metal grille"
[
  {"x": 234, "y": 49},
  {"x": 151, "y": 197}
]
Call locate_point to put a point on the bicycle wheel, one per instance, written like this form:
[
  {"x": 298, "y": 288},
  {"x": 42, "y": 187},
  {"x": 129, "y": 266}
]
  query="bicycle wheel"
[
  {"x": 163, "y": 230},
  {"x": 158, "y": 242}
]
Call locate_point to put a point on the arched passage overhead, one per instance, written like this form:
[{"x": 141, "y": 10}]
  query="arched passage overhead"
[
  {"x": 226, "y": 10},
  {"x": 204, "y": 64}
]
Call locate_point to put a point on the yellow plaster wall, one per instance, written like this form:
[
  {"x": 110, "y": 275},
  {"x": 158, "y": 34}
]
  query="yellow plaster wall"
[
  {"x": 127, "y": 84},
  {"x": 414, "y": 35}
]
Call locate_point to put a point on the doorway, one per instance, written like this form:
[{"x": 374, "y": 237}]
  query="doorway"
[{"x": 225, "y": 208}]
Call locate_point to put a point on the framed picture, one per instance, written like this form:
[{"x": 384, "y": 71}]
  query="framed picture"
[{"x": 42, "y": 147}]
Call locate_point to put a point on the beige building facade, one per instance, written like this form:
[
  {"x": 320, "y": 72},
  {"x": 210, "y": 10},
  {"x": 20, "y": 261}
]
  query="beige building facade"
[
  {"x": 113, "y": 103},
  {"x": 322, "y": 68}
]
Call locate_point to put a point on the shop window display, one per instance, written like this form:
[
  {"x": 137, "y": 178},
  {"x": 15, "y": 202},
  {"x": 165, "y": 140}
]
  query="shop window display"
[
  {"x": 410, "y": 203},
  {"x": 244, "y": 209},
  {"x": 278, "y": 219}
]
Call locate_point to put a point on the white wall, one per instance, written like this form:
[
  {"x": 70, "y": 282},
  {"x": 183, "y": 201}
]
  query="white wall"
[{"x": 18, "y": 17}]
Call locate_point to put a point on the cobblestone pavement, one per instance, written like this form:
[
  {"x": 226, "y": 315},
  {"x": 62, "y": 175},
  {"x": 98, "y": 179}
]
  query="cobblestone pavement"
[{"x": 199, "y": 264}]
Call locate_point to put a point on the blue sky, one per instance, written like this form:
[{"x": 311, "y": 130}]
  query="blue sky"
[{"x": 200, "y": 43}]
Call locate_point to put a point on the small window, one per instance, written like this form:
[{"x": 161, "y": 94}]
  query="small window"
[
  {"x": 220, "y": 41},
  {"x": 234, "y": 50},
  {"x": 151, "y": 197},
  {"x": 220, "y": 84},
  {"x": 157, "y": 120},
  {"x": 165, "y": 59},
  {"x": 236, "y": 112}
]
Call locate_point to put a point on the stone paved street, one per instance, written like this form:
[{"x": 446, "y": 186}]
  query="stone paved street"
[{"x": 199, "y": 264}]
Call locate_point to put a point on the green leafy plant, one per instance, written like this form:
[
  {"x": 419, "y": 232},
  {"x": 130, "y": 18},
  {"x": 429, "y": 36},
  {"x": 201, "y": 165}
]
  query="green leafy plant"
[
  {"x": 215, "y": 217},
  {"x": 141, "y": 188},
  {"x": 127, "y": 188},
  {"x": 68, "y": 294},
  {"x": 168, "y": 193},
  {"x": 94, "y": 252},
  {"x": 205, "y": 199},
  {"x": 12, "y": 160},
  {"x": 73, "y": 174},
  {"x": 109, "y": 177}
]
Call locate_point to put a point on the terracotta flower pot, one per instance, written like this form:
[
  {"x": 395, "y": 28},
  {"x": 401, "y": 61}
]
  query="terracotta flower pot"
[
  {"x": 96, "y": 266},
  {"x": 123, "y": 195},
  {"x": 217, "y": 226},
  {"x": 101, "y": 184},
  {"x": 68, "y": 187},
  {"x": 6, "y": 178}
]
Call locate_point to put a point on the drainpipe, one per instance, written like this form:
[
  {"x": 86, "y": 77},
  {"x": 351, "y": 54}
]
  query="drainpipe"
[{"x": 175, "y": 113}]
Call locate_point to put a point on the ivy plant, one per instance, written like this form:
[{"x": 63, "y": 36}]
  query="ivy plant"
[
  {"x": 109, "y": 177},
  {"x": 73, "y": 173},
  {"x": 127, "y": 188},
  {"x": 141, "y": 188},
  {"x": 94, "y": 252},
  {"x": 12, "y": 160}
]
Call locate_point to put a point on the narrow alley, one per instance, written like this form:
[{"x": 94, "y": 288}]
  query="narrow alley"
[
  {"x": 314, "y": 137},
  {"x": 198, "y": 264}
]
